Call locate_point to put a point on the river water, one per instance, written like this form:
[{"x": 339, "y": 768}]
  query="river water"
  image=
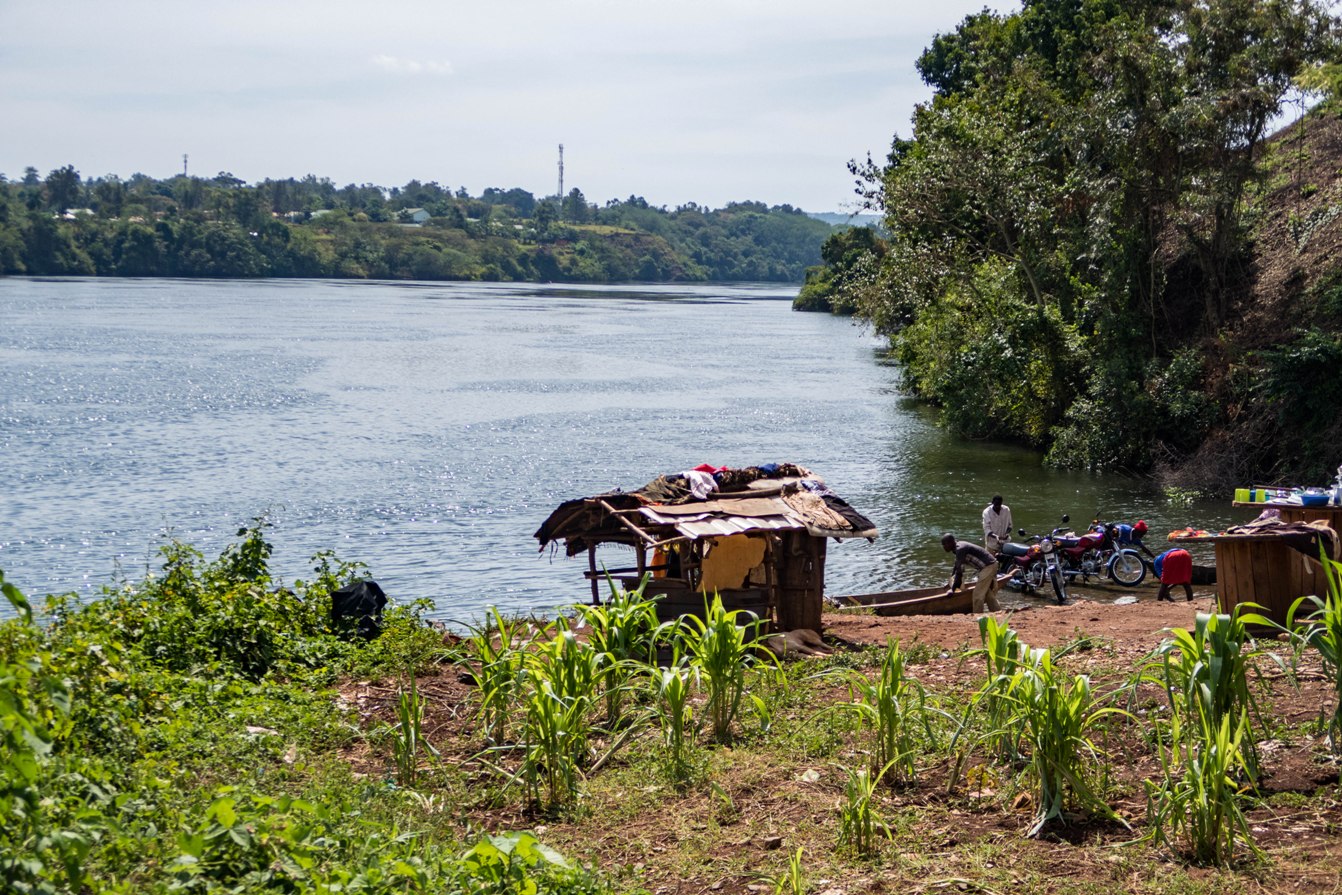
[{"x": 427, "y": 429}]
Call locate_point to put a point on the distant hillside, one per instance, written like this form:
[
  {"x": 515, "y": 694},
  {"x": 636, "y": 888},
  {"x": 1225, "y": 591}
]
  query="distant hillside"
[
  {"x": 838, "y": 219},
  {"x": 223, "y": 227}
]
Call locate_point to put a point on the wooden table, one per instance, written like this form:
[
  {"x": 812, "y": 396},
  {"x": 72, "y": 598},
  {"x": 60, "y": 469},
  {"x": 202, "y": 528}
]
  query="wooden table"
[
  {"x": 1294, "y": 512},
  {"x": 1260, "y": 568}
]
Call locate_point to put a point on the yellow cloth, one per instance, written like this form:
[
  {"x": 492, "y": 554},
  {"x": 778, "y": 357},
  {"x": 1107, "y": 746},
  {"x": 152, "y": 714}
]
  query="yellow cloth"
[{"x": 729, "y": 561}]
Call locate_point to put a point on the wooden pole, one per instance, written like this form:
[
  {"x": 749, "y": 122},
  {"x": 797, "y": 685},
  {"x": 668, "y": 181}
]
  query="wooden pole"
[{"x": 591, "y": 567}]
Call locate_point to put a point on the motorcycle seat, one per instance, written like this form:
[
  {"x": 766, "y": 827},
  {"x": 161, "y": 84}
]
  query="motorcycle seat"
[{"x": 1010, "y": 549}]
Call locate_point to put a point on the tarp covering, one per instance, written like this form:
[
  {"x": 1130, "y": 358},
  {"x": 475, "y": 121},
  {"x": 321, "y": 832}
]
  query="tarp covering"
[{"x": 780, "y": 497}]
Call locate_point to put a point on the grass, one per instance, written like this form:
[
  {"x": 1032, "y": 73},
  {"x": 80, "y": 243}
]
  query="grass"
[{"x": 150, "y": 779}]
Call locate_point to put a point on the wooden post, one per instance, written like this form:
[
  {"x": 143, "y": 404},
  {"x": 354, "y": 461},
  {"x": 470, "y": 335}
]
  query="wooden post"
[
  {"x": 771, "y": 579},
  {"x": 591, "y": 567}
]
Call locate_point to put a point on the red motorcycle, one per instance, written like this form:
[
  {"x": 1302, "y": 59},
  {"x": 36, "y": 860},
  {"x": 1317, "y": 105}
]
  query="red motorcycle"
[
  {"x": 1030, "y": 566},
  {"x": 1096, "y": 553},
  {"x": 1024, "y": 563}
]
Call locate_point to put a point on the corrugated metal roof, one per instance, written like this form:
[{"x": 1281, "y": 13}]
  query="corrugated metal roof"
[{"x": 717, "y": 524}]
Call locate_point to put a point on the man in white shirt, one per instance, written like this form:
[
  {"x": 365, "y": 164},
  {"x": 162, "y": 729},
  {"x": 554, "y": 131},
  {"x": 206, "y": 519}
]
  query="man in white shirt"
[{"x": 996, "y": 524}]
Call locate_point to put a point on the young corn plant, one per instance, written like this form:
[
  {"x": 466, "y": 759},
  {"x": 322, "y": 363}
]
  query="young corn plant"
[
  {"x": 1055, "y": 714},
  {"x": 565, "y": 677},
  {"x": 860, "y": 826},
  {"x": 895, "y": 707},
  {"x": 1206, "y": 672},
  {"x": 673, "y": 688},
  {"x": 498, "y": 649},
  {"x": 720, "y": 648},
  {"x": 1321, "y": 630},
  {"x": 793, "y": 880},
  {"x": 407, "y": 736},
  {"x": 1197, "y": 804},
  {"x": 1002, "y": 651},
  {"x": 626, "y": 630},
  {"x": 555, "y": 748}
]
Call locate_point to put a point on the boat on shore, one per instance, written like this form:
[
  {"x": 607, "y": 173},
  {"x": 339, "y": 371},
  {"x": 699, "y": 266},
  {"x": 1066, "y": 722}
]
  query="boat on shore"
[{"x": 911, "y": 601}]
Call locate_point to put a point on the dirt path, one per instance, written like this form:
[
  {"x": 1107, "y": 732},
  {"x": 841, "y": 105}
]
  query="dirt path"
[{"x": 1139, "y": 625}]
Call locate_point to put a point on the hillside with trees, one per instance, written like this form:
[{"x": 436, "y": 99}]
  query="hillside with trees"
[
  {"x": 1097, "y": 248},
  {"x": 182, "y": 226}
]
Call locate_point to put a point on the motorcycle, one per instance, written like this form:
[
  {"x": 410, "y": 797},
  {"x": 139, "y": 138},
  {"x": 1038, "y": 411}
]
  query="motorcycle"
[
  {"x": 1096, "y": 553},
  {"x": 1124, "y": 565},
  {"x": 1024, "y": 563},
  {"x": 1045, "y": 548}
]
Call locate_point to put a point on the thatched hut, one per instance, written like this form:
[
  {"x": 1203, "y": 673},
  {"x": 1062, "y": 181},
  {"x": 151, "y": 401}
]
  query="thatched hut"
[{"x": 755, "y": 536}]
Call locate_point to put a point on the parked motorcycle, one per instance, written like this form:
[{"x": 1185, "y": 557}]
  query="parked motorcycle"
[
  {"x": 1123, "y": 564},
  {"x": 1096, "y": 553},
  {"x": 1025, "y": 565},
  {"x": 1045, "y": 548}
]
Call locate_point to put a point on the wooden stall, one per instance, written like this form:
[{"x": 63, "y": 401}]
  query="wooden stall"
[
  {"x": 758, "y": 540},
  {"x": 1262, "y": 568}
]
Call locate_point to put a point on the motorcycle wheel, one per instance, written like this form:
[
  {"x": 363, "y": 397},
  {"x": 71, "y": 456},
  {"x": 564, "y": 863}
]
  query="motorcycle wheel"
[
  {"x": 1059, "y": 588},
  {"x": 1127, "y": 568},
  {"x": 1034, "y": 575}
]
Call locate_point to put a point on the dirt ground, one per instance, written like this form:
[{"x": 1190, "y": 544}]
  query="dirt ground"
[
  {"x": 764, "y": 799},
  {"x": 1137, "y": 626}
]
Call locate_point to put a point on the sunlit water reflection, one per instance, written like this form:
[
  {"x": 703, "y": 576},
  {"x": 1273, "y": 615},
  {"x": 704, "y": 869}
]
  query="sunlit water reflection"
[{"x": 428, "y": 429}]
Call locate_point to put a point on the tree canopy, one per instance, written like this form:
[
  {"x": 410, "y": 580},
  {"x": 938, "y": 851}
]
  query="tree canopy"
[
  {"x": 1070, "y": 223},
  {"x": 309, "y": 227}
]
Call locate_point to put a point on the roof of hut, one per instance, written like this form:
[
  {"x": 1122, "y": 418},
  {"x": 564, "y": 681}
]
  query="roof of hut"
[{"x": 706, "y": 502}]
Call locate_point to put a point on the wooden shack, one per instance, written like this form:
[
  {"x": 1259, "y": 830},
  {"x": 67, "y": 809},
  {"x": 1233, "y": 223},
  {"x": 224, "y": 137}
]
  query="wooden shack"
[{"x": 755, "y": 536}]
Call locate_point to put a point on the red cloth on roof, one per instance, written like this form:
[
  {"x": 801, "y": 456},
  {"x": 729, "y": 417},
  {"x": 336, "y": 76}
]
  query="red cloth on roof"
[{"x": 705, "y": 467}]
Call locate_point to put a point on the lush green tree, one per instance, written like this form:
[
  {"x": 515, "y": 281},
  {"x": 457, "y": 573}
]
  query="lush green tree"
[
  {"x": 62, "y": 187},
  {"x": 109, "y": 196},
  {"x": 575, "y": 209},
  {"x": 1072, "y": 150}
]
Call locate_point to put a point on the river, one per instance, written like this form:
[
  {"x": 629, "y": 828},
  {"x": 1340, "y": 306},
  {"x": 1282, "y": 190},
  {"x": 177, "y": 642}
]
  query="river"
[{"x": 427, "y": 429}]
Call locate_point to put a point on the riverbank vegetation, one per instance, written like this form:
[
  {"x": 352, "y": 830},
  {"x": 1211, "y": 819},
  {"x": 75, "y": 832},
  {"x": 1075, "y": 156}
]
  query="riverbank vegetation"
[
  {"x": 67, "y": 225},
  {"x": 209, "y": 730},
  {"x": 1096, "y": 248}
]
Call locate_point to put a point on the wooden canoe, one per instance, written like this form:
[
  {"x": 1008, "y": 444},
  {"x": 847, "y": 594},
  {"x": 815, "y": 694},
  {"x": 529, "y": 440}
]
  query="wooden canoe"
[{"x": 912, "y": 601}]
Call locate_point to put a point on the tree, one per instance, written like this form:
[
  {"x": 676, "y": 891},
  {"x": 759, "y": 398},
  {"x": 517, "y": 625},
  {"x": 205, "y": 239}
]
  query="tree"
[
  {"x": 62, "y": 187},
  {"x": 109, "y": 196},
  {"x": 575, "y": 209},
  {"x": 547, "y": 212},
  {"x": 1070, "y": 149}
]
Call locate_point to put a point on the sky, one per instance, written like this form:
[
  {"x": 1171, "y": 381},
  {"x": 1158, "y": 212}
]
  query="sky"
[{"x": 705, "y": 101}]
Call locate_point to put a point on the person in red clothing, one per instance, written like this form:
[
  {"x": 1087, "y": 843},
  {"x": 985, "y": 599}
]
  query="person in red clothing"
[{"x": 1174, "y": 567}]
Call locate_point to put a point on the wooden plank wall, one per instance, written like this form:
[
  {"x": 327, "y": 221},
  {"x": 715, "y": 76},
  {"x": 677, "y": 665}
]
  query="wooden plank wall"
[
  {"x": 801, "y": 581},
  {"x": 1270, "y": 574}
]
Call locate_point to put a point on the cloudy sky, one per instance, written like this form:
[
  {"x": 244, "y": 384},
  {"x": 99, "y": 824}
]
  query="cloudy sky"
[{"x": 678, "y": 101}]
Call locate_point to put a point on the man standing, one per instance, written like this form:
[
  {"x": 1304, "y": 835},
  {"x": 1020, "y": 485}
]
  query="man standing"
[
  {"x": 985, "y": 585},
  {"x": 996, "y": 524}
]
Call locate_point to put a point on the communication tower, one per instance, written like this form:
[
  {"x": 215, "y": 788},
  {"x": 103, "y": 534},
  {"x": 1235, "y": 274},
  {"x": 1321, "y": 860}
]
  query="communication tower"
[
  {"x": 561, "y": 172},
  {"x": 183, "y": 164}
]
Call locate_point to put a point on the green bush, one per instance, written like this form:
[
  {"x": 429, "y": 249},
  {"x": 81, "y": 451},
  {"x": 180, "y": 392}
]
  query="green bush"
[{"x": 999, "y": 366}]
